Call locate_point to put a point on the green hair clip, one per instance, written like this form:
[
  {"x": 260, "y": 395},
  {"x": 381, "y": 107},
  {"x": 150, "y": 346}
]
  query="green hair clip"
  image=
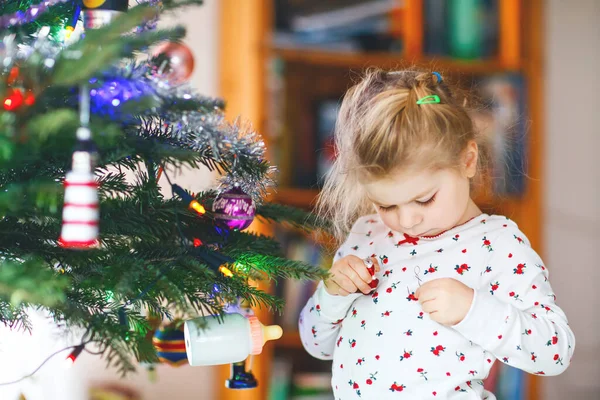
[{"x": 431, "y": 99}]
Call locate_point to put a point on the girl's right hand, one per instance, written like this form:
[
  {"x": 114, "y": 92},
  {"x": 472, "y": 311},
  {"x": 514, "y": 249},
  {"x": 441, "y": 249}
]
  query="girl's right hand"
[{"x": 350, "y": 274}]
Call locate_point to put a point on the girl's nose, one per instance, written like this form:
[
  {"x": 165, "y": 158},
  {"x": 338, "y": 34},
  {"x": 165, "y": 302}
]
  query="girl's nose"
[{"x": 408, "y": 219}]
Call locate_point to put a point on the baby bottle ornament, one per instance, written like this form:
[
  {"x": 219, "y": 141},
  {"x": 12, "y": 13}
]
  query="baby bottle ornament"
[{"x": 226, "y": 339}]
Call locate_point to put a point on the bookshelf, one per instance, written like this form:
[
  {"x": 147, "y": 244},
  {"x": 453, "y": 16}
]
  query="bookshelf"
[
  {"x": 247, "y": 56},
  {"x": 353, "y": 60}
]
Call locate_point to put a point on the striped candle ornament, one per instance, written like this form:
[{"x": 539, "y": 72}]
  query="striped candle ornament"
[{"x": 81, "y": 209}]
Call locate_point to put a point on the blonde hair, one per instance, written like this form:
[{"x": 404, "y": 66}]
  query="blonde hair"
[{"x": 381, "y": 129}]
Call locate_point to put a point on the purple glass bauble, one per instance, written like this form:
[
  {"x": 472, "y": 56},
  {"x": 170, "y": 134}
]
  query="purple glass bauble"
[{"x": 234, "y": 209}]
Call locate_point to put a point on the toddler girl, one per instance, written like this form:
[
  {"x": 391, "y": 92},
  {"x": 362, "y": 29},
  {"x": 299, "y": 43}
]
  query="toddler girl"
[{"x": 428, "y": 292}]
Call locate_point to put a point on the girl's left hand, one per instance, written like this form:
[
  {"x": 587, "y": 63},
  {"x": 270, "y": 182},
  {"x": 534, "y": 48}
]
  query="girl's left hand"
[{"x": 446, "y": 300}]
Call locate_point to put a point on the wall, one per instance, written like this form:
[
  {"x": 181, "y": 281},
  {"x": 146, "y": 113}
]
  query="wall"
[
  {"x": 572, "y": 182},
  {"x": 22, "y": 353}
]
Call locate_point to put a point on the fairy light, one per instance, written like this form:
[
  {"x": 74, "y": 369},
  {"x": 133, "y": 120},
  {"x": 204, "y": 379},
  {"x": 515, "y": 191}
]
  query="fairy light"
[
  {"x": 70, "y": 360},
  {"x": 192, "y": 203},
  {"x": 225, "y": 271},
  {"x": 69, "y": 31}
]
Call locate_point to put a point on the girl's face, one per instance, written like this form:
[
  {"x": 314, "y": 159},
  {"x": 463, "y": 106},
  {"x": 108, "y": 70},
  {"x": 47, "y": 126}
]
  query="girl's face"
[{"x": 426, "y": 203}]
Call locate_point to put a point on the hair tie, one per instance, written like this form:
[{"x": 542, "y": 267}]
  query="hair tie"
[
  {"x": 439, "y": 76},
  {"x": 430, "y": 99}
]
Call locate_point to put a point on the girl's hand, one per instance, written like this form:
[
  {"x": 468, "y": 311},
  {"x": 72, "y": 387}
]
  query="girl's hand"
[
  {"x": 446, "y": 300},
  {"x": 350, "y": 274}
]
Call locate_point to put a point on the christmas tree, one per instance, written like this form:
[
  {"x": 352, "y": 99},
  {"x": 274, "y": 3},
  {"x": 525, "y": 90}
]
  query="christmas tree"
[{"x": 95, "y": 115}]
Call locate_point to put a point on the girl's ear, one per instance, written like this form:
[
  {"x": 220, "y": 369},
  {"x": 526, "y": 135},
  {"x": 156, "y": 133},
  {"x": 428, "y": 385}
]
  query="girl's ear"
[{"x": 470, "y": 156}]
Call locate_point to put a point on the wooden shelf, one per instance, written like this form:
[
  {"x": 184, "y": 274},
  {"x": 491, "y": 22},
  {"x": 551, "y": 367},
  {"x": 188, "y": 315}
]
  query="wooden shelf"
[
  {"x": 344, "y": 59},
  {"x": 289, "y": 340}
]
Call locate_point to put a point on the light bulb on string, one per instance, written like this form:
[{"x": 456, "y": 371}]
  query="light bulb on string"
[
  {"x": 189, "y": 200},
  {"x": 225, "y": 271},
  {"x": 71, "y": 358}
]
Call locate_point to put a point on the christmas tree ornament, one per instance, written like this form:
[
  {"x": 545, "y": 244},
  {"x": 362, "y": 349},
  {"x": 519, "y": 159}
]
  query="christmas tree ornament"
[
  {"x": 226, "y": 339},
  {"x": 240, "y": 377},
  {"x": 81, "y": 210},
  {"x": 173, "y": 62},
  {"x": 169, "y": 343},
  {"x": 97, "y": 13},
  {"x": 234, "y": 209}
]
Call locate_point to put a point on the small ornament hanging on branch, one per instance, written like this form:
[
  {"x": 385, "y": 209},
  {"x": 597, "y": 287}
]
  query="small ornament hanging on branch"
[
  {"x": 81, "y": 209},
  {"x": 169, "y": 343},
  {"x": 173, "y": 62},
  {"x": 234, "y": 209}
]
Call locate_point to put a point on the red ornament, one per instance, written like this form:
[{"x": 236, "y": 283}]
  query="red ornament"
[{"x": 174, "y": 62}]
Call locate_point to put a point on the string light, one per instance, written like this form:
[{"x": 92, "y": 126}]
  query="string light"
[
  {"x": 225, "y": 271},
  {"x": 70, "y": 360},
  {"x": 186, "y": 197},
  {"x": 14, "y": 100}
]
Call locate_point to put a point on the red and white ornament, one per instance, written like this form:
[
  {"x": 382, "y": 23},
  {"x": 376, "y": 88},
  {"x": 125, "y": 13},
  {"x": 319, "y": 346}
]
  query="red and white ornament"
[{"x": 81, "y": 209}]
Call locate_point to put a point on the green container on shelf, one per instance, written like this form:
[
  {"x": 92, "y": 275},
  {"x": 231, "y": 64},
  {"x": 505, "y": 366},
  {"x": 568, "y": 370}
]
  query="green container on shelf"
[{"x": 465, "y": 28}]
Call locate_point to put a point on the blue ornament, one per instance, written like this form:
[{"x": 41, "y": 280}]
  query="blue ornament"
[{"x": 169, "y": 343}]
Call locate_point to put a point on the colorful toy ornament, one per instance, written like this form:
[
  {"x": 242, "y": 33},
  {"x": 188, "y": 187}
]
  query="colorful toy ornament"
[{"x": 169, "y": 343}]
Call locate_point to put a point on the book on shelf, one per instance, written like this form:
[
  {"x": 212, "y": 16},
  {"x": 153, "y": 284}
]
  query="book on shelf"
[
  {"x": 326, "y": 116},
  {"x": 342, "y": 16},
  {"x": 315, "y": 155},
  {"x": 464, "y": 29},
  {"x": 288, "y": 383},
  {"x": 311, "y": 386},
  {"x": 345, "y": 25},
  {"x": 506, "y": 382}
]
